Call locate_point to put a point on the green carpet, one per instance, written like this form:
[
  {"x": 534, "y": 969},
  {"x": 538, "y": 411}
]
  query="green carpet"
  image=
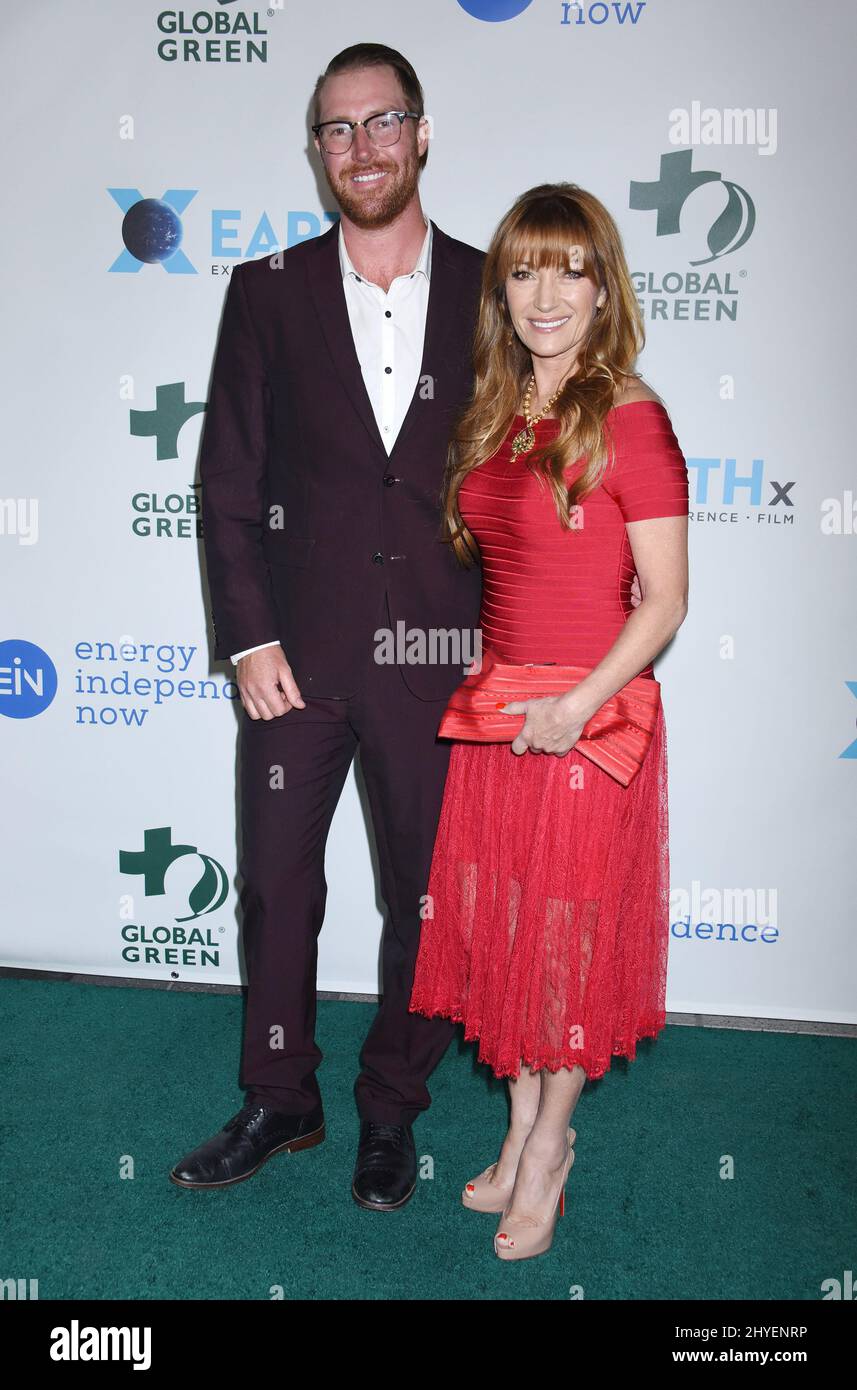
[{"x": 93, "y": 1074}]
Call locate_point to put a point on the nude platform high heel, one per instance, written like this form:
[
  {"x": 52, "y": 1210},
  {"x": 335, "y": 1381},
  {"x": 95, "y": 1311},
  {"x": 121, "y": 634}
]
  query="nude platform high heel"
[
  {"x": 520, "y": 1240},
  {"x": 481, "y": 1194}
]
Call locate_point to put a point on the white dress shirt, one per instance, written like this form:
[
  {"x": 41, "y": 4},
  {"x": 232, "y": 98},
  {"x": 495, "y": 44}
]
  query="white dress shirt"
[{"x": 388, "y": 331}]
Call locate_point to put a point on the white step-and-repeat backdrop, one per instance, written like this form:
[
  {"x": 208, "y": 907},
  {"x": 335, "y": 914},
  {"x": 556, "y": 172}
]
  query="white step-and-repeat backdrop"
[{"x": 722, "y": 138}]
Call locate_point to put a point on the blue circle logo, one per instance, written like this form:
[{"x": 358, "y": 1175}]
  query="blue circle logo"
[
  {"x": 28, "y": 679},
  {"x": 494, "y": 10},
  {"x": 152, "y": 230}
]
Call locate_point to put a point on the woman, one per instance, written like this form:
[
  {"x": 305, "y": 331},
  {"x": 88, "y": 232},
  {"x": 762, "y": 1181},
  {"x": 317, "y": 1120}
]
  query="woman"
[{"x": 547, "y": 931}]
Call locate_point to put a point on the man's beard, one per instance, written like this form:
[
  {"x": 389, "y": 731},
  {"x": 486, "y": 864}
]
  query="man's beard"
[{"x": 384, "y": 205}]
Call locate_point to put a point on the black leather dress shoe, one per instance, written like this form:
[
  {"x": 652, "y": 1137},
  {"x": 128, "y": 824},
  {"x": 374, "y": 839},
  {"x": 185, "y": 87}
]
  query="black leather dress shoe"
[
  {"x": 385, "y": 1173},
  {"x": 247, "y": 1141}
]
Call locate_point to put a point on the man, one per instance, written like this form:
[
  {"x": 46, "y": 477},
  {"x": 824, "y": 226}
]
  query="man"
[{"x": 340, "y": 367}]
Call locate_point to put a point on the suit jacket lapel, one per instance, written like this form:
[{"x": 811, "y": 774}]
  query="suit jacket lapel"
[
  {"x": 440, "y": 321},
  {"x": 325, "y": 278}
]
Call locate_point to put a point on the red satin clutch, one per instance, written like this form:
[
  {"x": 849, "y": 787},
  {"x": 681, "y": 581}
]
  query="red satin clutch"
[{"x": 616, "y": 738}]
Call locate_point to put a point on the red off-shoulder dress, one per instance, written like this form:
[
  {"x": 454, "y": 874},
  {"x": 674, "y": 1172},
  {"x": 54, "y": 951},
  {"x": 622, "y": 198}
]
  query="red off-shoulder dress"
[{"x": 546, "y": 927}]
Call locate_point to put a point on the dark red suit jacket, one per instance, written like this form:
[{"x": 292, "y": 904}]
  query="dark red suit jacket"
[{"x": 290, "y": 426}]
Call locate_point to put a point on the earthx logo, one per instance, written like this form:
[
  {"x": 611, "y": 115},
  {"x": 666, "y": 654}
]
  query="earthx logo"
[
  {"x": 727, "y": 490},
  {"x": 152, "y": 231},
  {"x": 851, "y": 750}
]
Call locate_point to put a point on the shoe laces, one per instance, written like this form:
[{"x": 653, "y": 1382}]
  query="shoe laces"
[
  {"x": 245, "y": 1115},
  {"x": 379, "y": 1132}
]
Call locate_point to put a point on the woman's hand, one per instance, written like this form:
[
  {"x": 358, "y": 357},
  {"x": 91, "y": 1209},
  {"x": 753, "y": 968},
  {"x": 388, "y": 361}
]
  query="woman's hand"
[{"x": 553, "y": 724}]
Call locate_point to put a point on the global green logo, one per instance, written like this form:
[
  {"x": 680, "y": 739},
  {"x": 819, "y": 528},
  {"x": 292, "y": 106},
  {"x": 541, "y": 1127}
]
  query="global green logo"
[
  {"x": 164, "y": 423},
  {"x": 668, "y": 194},
  {"x": 166, "y": 515},
  {"x": 157, "y": 857},
  {"x": 214, "y": 36}
]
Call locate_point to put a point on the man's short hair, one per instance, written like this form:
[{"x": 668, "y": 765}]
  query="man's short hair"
[{"x": 375, "y": 55}]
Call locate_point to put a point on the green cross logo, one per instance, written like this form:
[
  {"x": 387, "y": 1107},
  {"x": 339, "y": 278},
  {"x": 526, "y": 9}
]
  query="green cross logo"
[
  {"x": 165, "y": 421},
  {"x": 156, "y": 857},
  {"x": 668, "y": 194}
]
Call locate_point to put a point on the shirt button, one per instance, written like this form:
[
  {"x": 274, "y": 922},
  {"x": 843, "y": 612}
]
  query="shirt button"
[
  {"x": 388, "y": 370},
  {"x": 377, "y": 558},
  {"x": 387, "y": 314}
]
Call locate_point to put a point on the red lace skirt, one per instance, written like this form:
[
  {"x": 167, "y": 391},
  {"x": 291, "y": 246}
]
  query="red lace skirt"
[{"x": 546, "y": 927}]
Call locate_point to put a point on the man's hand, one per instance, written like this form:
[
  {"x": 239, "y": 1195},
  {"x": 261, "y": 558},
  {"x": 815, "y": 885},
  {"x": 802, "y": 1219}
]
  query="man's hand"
[
  {"x": 267, "y": 685},
  {"x": 636, "y": 593}
]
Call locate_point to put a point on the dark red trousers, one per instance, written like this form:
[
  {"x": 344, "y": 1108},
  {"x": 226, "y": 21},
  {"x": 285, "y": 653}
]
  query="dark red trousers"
[{"x": 284, "y": 832}]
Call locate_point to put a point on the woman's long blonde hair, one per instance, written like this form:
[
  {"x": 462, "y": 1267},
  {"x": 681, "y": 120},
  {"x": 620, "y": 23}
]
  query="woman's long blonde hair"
[{"x": 540, "y": 228}]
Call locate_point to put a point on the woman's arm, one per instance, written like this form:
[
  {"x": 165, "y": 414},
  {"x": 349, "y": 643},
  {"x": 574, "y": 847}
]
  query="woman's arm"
[{"x": 659, "y": 547}]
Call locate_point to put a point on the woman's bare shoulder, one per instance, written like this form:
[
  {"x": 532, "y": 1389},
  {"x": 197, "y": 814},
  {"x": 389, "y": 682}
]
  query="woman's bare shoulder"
[{"x": 633, "y": 388}]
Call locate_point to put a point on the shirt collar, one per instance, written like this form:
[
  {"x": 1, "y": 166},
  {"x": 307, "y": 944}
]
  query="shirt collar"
[{"x": 423, "y": 264}]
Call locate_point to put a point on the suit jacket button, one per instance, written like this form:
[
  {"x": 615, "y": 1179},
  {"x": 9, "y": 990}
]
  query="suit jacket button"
[
  {"x": 377, "y": 558},
  {"x": 389, "y": 479}
]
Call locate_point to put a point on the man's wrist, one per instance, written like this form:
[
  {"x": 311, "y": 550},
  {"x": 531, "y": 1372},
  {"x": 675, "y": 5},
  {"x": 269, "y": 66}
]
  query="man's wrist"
[{"x": 236, "y": 656}]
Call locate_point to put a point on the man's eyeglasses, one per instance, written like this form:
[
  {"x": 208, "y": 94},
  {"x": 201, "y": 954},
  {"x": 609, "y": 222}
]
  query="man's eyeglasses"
[{"x": 382, "y": 129}]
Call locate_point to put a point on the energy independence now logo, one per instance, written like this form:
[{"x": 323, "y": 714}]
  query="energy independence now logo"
[
  {"x": 124, "y": 681},
  {"x": 571, "y": 11},
  {"x": 677, "y": 182},
  {"x": 172, "y": 873},
  {"x": 28, "y": 679},
  {"x": 493, "y": 11}
]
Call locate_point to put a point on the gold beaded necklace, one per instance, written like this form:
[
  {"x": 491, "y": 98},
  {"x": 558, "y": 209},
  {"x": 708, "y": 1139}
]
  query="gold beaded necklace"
[{"x": 525, "y": 439}]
